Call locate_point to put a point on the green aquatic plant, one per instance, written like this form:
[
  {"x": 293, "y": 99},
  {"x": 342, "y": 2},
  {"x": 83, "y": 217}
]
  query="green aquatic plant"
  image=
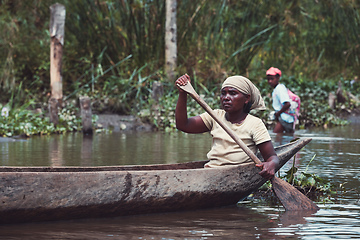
[
  {"x": 23, "y": 121},
  {"x": 311, "y": 185}
]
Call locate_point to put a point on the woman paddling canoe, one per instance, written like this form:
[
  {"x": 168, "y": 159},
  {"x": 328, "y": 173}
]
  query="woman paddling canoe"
[{"x": 238, "y": 96}]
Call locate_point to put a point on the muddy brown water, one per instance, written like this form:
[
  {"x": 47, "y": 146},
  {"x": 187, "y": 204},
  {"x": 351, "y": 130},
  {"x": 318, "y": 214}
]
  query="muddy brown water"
[{"x": 336, "y": 152}]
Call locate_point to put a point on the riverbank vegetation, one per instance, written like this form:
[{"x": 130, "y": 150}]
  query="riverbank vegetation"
[{"x": 114, "y": 53}]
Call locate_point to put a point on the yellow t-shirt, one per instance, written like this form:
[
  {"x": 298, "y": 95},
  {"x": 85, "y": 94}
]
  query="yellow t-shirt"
[{"x": 225, "y": 151}]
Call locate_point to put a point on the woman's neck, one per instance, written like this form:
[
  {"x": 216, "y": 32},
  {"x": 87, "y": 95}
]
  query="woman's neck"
[{"x": 236, "y": 118}]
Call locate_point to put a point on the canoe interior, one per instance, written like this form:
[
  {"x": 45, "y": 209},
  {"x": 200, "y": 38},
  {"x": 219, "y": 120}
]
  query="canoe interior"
[{"x": 176, "y": 166}]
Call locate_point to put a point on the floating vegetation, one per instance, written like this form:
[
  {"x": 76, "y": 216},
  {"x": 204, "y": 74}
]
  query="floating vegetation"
[{"x": 311, "y": 185}]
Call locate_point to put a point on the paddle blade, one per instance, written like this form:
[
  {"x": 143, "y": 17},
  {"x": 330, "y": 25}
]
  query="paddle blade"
[{"x": 291, "y": 198}]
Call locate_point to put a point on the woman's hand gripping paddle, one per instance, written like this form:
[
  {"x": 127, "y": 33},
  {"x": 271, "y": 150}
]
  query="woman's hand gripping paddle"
[{"x": 290, "y": 197}]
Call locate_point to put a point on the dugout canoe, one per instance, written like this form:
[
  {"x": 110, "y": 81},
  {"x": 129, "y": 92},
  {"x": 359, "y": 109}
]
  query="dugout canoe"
[{"x": 29, "y": 194}]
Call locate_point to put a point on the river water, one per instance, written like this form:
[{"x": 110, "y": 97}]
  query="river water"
[{"x": 335, "y": 153}]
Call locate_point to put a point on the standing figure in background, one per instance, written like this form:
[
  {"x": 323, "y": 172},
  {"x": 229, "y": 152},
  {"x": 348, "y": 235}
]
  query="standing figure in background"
[{"x": 281, "y": 102}]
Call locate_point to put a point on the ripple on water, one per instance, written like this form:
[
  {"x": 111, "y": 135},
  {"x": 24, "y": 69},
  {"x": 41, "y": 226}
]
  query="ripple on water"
[{"x": 331, "y": 221}]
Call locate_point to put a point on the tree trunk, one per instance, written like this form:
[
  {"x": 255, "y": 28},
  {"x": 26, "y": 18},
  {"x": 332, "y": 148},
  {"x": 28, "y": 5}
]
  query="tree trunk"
[
  {"x": 170, "y": 39},
  {"x": 340, "y": 97},
  {"x": 53, "y": 105},
  {"x": 57, "y": 24},
  {"x": 86, "y": 115},
  {"x": 332, "y": 100}
]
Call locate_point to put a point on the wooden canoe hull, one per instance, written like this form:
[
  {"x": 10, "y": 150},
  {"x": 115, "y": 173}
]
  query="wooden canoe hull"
[{"x": 30, "y": 194}]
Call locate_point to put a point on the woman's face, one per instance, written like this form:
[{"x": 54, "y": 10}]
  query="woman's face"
[{"x": 232, "y": 100}]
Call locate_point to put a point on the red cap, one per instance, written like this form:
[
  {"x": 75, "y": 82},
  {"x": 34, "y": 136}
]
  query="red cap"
[{"x": 273, "y": 71}]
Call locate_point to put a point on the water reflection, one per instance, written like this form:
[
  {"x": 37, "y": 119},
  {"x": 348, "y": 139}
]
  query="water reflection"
[
  {"x": 220, "y": 223},
  {"x": 55, "y": 153},
  {"x": 4, "y": 147},
  {"x": 288, "y": 218},
  {"x": 332, "y": 222},
  {"x": 86, "y": 150},
  {"x": 259, "y": 222},
  {"x": 105, "y": 149}
]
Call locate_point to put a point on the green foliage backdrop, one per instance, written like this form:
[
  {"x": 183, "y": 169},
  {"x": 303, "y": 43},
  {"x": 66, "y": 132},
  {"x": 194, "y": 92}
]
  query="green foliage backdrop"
[{"x": 114, "y": 49}]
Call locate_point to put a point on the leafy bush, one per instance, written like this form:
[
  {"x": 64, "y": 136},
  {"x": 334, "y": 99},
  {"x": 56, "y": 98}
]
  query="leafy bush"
[{"x": 24, "y": 122}]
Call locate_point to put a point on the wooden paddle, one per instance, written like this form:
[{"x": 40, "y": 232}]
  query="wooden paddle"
[{"x": 290, "y": 197}]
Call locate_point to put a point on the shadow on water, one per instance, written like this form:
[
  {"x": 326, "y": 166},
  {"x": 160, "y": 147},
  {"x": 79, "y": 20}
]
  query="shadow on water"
[{"x": 221, "y": 223}]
